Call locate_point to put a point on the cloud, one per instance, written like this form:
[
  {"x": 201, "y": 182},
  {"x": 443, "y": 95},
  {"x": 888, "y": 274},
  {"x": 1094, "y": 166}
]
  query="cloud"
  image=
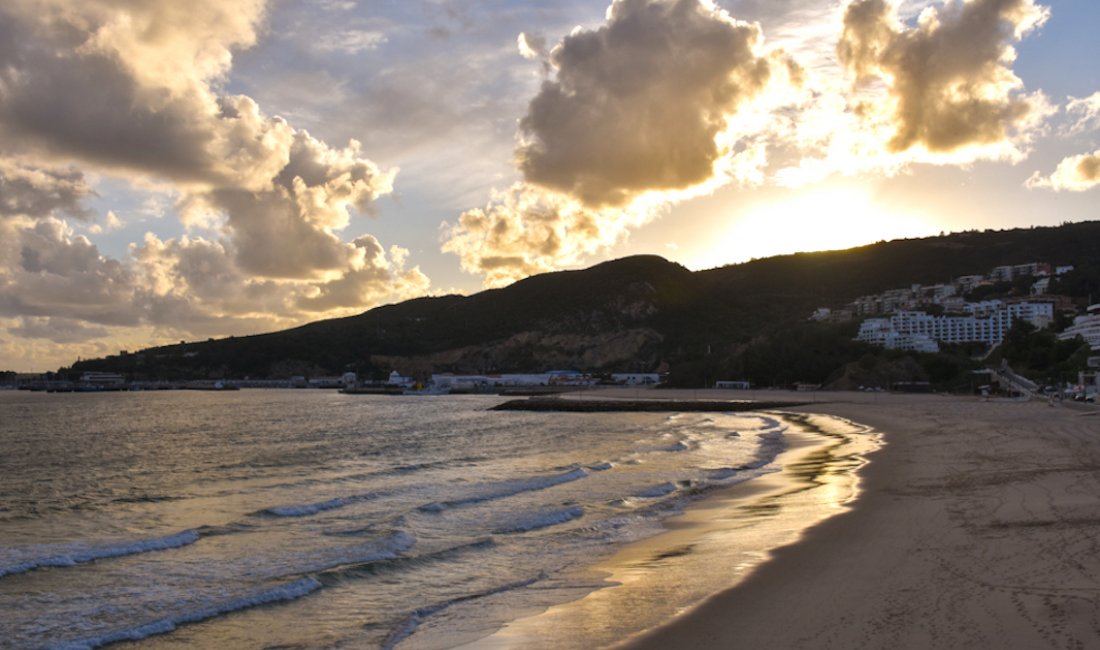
[
  {"x": 944, "y": 87},
  {"x": 58, "y": 330},
  {"x": 127, "y": 86},
  {"x": 665, "y": 101},
  {"x": 197, "y": 284},
  {"x": 638, "y": 104},
  {"x": 1073, "y": 174},
  {"x": 110, "y": 222},
  {"x": 136, "y": 91},
  {"x": 47, "y": 270},
  {"x": 117, "y": 88},
  {"x": 532, "y": 46},
  {"x": 33, "y": 191},
  {"x": 373, "y": 278},
  {"x": 288, "y": 230},
  {"x": 352, "y": 41},
  {"x": 1086, "y": 110},
  {"x": 527, "y": 230},
  {"x": 1081, "y": 172}
]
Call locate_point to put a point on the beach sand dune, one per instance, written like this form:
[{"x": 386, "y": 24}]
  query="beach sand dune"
[{"x": 978, "y": 527}]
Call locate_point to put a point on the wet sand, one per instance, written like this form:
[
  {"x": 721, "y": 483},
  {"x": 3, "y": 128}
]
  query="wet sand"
[
  {"x": 977, "y": 526},
  {"x": 712, "y": 545}
]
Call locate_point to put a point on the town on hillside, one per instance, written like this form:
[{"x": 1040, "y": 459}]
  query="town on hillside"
[{"x": 921, "y": 318}]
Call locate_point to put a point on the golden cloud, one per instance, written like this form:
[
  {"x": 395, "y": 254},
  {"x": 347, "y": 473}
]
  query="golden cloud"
[
  {"x": 1073, "y": 174},
  {"x": 945, "y": 85},
  {"x": 638, "y": 104}
]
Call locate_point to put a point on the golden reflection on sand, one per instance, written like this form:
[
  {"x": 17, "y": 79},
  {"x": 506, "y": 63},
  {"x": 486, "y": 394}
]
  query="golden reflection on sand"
[{"x": 711, "y": 546}]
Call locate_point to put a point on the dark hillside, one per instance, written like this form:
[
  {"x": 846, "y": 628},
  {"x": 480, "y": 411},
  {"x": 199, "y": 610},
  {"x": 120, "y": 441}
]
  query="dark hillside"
[{"x": 637, "y": 313}]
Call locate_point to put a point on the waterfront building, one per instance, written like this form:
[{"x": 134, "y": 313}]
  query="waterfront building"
[{"x": 96, "y": 378}]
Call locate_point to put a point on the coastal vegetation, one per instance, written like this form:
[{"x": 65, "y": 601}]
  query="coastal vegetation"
[{"x": 645, "y": 314}]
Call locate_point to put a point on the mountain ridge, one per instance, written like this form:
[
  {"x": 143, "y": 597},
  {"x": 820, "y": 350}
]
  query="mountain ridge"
[{"x": 639, "y": 313}]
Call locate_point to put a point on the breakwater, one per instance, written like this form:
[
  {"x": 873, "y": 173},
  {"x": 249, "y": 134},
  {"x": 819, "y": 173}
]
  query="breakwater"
[{"x": 639, "y": 405}]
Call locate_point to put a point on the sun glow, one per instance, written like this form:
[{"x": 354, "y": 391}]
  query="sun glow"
[{"x": 813, "y": 220}]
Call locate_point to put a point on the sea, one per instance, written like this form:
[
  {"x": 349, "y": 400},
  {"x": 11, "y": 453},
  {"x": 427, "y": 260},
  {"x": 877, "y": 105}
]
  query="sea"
[{"x": 314, "y": 519}]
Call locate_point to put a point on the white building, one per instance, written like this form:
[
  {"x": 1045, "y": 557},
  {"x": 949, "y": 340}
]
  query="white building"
[
  {"x": 968, "y": 283},
  {"x": 636, "y": 378},
  {"x": 458, "y": 383},
  {"x": 97, "y": 378},
  {"x": 917, "y": 330},
  {"x": 733, "y": 384},
  {"x": 1039, "y": 314},
  {"x": 1087, "y": 326},
  {"x": 883, "y": 332}
]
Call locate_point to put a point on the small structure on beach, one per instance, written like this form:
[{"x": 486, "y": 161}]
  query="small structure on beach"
[{"x": 733, "y": 384}]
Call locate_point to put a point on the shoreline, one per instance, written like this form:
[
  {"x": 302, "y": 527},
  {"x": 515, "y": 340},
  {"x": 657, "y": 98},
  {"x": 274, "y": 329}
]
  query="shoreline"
[
  {"x": 723, "y": 536},
  {"x": 977, "y": 525}
]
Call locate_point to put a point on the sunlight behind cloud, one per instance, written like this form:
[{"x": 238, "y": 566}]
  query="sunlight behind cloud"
[{"x": 825, "y": 218}]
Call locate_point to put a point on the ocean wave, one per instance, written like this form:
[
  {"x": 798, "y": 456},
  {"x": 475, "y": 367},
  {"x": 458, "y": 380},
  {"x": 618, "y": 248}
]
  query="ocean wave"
[
  {"x": 343, "y": 572},
  {"x": 363, "y": 554},
  {"x": 673, "y": 448},
  {"x": 283, "y": 593},
  {"x": 307, "y": 509},
  {"x": 600, "y": 466},
  {"x": 771, "y": 443},
  {"x": 540, "y": 520},
  {"x": 502, "y": 489},
  {"x": 410, "y": 623},
  {"x": 89, "y": 553},
  {"x": 656, "y": 491},
  {"x": 769, "y": 423},
  {"x": 146, "y": 499},
  {"x": 721, "y": 473}
]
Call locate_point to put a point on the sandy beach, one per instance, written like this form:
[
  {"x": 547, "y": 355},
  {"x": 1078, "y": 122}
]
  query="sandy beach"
[{"x": 977, "y": 526}]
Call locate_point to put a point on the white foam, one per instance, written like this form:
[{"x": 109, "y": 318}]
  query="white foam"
[
  {"x": 360, "y": 554},
  {"x": 540, "y": 520},
  {"x": 502, "y": 489},
  {"x": 306, "y": 509},
  {"x": 87, "y": 553},
  {"x": 282, "y": 593},
  {"x": 410, "y": 623}
]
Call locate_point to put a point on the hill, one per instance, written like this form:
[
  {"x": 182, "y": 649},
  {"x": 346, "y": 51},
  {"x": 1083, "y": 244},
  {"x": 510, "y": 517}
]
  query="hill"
[{"x": 639, "y": 313}]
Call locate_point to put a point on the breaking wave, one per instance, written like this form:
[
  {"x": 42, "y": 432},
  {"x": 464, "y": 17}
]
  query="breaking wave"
[
  {"x": 282, "y": 593},
  {"x": 502, "y": 489},
  {"x": 89, "y": 553}
]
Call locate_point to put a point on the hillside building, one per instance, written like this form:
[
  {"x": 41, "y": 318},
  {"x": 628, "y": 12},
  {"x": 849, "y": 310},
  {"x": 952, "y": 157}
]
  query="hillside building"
[
  {"x": 922, "y": 332},
  {"x": 1087, "y": 326}
]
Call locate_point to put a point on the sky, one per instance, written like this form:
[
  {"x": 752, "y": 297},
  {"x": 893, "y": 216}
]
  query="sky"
[{"x": 180, "y": 171}]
